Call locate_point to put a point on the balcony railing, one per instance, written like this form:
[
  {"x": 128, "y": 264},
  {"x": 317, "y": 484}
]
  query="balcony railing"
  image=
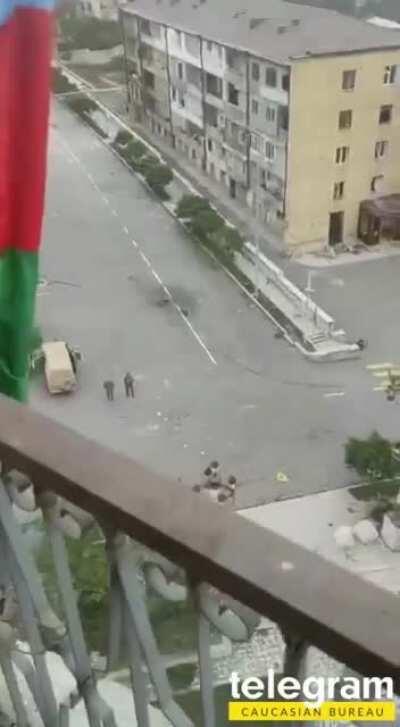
[{"x": 157, "y": 537}]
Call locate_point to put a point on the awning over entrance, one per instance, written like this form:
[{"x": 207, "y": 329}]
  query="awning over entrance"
[{"x": 379, "y": 218}]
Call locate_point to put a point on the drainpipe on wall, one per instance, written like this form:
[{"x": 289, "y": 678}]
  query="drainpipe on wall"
[
  {"x": 128, "y": 88},
  {"x": 285, "y": 187},
  {"x": 169, "y": 88},
  {"x": 248, "y": 136},
  {"x": 140, "y": 55},
  {"x": 203, "y": 105}
]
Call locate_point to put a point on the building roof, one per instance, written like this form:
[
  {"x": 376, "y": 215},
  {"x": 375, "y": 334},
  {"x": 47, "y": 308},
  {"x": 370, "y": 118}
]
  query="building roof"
[{"x": 273, "y": 29}]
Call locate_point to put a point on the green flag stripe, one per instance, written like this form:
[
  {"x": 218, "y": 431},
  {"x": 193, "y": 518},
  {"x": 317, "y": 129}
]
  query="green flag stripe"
[{"x": 18, "y": 281}]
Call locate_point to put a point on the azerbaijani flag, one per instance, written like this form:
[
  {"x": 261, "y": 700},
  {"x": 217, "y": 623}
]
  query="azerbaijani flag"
[{"x": 26, "y": 41}]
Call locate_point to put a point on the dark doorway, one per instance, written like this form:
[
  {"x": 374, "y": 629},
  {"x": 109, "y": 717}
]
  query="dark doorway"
[
  {"x": 232, "y": 188},
  {"x": 336, "y": 228}
]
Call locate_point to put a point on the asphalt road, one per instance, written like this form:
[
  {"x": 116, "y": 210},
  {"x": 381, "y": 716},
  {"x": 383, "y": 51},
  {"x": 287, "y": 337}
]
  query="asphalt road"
[{"x": 210, "y": 384}]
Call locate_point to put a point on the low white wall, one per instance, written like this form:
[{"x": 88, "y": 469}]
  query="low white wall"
[{"x": 95, "y": 57}]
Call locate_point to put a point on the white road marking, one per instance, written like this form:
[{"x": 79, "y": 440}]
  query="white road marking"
[
  {"x": 380, "y": 374},
  {"x": 380, "y": 388},
  {"x": 146, "y": 260},
  {"x": 125, "y": 229},
  {"x": 114, "y": 212},
  {"x": 332, "y": 394}
]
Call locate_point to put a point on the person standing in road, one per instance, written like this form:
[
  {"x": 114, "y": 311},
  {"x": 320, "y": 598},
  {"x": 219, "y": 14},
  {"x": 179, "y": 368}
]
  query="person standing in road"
[
  {"x": 129, "y": 385},
  {"x": 109, "y": 389}
]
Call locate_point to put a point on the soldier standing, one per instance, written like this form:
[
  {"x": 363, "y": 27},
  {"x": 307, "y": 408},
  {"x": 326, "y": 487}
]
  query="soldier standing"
[
  {"x": 129, "y": 385},
  {"x": 109, "y": 389}
]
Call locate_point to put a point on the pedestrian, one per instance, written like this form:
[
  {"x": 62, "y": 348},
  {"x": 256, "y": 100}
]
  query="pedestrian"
[
  {"x": 109, "y": 389},
  {"x": 128, "y": 383},
  {"x": 361, "y": 344}
]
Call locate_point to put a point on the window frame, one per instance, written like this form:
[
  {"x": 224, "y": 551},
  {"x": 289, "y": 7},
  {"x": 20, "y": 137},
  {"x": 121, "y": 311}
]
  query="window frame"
[
  {"x": 268, "y": 71},
  {"x": 270, "y": 111},
  {"x": 385, "y": 108},
  {"x": 338, "y": 190},
  {"x": 254, "y": 106},
  {"x": 375, "y": 179},
  {"x": 389, "y": 76},
  {"x": 271, "y": 146},
  {"x": 345, "y": 114},
  {"x": 349, "y": 74},
  {"x": 255, "y": 71},
  {"x": 381, "y": 148},
  {"x": 342, "y": 154}
]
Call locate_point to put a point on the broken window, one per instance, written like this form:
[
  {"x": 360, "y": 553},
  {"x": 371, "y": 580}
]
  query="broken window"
[
  {"x": 233, "y": 94},
  {"x": 385, "y": 114},
  {"x": 348, "y": 80},
  {"x": 345, "y": 119}
]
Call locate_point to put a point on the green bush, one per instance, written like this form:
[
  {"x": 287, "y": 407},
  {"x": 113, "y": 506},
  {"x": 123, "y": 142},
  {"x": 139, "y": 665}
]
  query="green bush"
[
  {"x": 181, "y": 676},
  {"x": 123, "y": 137},
  {"x": 232, "y": 239},
  {"x": 137, "y": 149},
  {"x": 191, "y": 204},
  {"x": 158, "y": 176},
  {"x": 206, "y": 224},
  {"x": 61, "y": 83},
  {"x": 143, "y": 163},
  {"x": 81, "y": 104},
  {"x": 372, "y": 457}
]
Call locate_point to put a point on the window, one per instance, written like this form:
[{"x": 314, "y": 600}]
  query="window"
[
  {"x": 254, "y": 142},
  {"x": 270, "y": 113},
  {"x": 173, "y": 93},
  {"x": 233, "y": 95},
  {"x": 214, "y": 85},
  {"x": 345, "y": 119},
  {"x": 179, "y": 38},
  {"x": 338, "y": 190},
  {"x": 209, "y": 145},
  {"x": 242, "y": 136},
  {"x": 180, "y": 70},
  {"x": 181, "y": 100},
  {"x": 148, "y": 79},
  {"x": 349, "y": 80},
  {"x": 255, "y": 71},
  {"x": 254, "y": 106},
  {"x": 145, "y": 27},
  {"x": 385, "y": 114},
  {"x": 342, "y": 154},
  {"x": 219, "y": 51},
  {"x": 389, "y": 75},
  {"x": 375, "y": 183},
  {"x": 263, "y": 179},
  {"x": 381, "y": 149},
  {"x": 209, "y": 46},
  {"x": 271, "y": 77},
  {"x": 194, "y": 154},
  {"x": 269, "y": 151},
  {"x": 286, "y": 82}
]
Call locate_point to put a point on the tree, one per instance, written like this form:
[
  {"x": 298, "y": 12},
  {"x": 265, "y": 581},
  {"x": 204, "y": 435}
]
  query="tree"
[
  {"x": 158, "y": 176},
  {"x": 371, "y": 457},
  {"x": 190, "y": 204}
]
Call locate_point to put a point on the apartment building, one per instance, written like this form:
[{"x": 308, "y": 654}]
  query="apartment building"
[
  {"x": 101, "y": 9},
  {"x": 293, "y": 110}
]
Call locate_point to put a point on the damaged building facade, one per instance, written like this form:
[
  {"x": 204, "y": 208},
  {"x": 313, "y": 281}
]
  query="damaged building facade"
[{"x": 293, "y": 110}]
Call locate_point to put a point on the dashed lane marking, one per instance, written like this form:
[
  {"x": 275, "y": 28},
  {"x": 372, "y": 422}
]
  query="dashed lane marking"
[
  {"x": 334, "y": 394},
  {"x": 144, "y": 257}
]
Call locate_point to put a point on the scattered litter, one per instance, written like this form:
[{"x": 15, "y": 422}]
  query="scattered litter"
[
  {"x": 202, "y": 453},
  {"x": 159, "y": 413},
  {"x": 185, "y": 446},
  {"x": 281, "y": 477}
]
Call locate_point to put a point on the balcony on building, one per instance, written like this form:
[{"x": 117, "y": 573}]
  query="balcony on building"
[{"x": 236, "y": 591}]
